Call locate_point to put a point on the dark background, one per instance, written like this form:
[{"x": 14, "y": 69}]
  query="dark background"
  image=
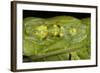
[{"x": 47, "y": 14}]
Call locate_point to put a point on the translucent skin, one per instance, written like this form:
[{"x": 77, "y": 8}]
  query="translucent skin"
[{"x": 52, "y": 35}]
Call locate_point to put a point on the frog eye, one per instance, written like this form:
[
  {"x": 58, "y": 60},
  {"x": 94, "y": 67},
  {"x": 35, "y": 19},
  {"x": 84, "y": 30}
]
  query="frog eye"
[{"x": 73, "y": 31}]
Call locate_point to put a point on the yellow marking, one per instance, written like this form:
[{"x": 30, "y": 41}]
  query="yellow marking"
[{"x": 72, "y": 31}]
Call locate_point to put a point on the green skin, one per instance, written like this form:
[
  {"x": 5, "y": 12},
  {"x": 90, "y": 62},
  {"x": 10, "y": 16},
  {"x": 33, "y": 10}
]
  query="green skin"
[{"x": 50, "y": 39}]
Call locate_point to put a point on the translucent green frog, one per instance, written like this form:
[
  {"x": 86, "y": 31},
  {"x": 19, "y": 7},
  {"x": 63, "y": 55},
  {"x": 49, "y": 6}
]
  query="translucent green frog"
[{"x": 55, "y": 38}]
